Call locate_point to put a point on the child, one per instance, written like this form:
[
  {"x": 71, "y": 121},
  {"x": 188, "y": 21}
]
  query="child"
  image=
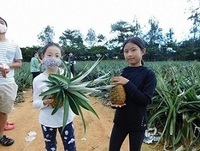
[
  {"x": 139, "y": 83},
  {"x": 51, "y": 123}
]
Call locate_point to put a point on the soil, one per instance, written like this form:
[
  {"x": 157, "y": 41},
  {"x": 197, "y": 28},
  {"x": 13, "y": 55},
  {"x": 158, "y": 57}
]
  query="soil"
[{"x": 97, "y": 136}]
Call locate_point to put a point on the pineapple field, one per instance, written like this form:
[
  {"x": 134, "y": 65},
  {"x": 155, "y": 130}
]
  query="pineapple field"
[{"x": 174, "y": 111}]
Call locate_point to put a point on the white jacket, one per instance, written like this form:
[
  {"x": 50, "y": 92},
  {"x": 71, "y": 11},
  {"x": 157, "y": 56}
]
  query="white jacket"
[{"x": 45, "y": 117}]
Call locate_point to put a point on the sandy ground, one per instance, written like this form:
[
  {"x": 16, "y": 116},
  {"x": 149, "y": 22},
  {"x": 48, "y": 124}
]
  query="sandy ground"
[{"x": 97, "y": 136}]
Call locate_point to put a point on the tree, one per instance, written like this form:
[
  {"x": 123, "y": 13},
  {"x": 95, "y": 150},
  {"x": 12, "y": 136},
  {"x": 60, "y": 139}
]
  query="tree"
[
  {"x": 136, "y": 28},
  {"x": 154, "y": 38},
  {"x": 47, "y": 35},
  {"x": 101, "y": 39},
  {"x": 71, "y": 38},
  {"x": 154, "y": 35},
  {"x": 195, "y": 18},
  {"x": 91, "y": 37},
  {"x": 122, "y": 30},
  {"x": 169, "y": 35}
]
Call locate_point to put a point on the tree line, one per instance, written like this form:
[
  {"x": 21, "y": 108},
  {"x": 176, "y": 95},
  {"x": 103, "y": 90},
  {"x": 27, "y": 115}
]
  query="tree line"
[{"x": 160, "y": 46}]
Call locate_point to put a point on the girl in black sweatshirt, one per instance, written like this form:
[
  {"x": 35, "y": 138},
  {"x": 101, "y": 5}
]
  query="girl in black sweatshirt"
[{"x": 139, "y": 83}]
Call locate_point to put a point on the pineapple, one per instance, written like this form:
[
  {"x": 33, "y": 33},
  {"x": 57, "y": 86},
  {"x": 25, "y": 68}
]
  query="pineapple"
[
  {"x": 55, "y": 102},
  {"x": 117, "y": 95},
  {"x": 68, "y": 91}
]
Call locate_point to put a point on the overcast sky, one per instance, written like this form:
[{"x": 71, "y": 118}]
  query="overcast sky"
[{"x": 27, "y": 18}]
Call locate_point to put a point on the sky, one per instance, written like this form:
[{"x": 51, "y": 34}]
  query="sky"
[{"x": 27, "y": 18}]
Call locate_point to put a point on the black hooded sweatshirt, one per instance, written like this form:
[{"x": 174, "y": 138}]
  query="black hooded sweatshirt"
[{"x": 139, "y": 92}]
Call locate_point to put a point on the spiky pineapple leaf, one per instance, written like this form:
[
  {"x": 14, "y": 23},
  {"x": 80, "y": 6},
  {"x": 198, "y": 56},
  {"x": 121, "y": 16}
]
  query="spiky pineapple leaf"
[
  {"x": 60, "y": 100},
  {"x": 51, "y": 91},
  {"x": 83, "y": 102},
  {"x": 82, "y": 117},
  {"x": 60, "y": 78},
  {"x": 82, "y": 76},
  {"x": 53, "y": 80},
  {"x": 67, "y": 71},
  {"x": 73, "y": 104},
  {"x": 66, "y": 110},
  {"x": 85, "y": 68}
]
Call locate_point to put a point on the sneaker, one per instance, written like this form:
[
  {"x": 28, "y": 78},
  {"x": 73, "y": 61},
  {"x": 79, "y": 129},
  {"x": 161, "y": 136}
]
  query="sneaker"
[
  {"x": 148, "y": 139},
  {"x": 6, "y": 141}
]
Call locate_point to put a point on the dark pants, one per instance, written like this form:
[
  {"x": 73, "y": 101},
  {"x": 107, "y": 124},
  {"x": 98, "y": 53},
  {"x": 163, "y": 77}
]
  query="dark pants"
[
  {"x": 119, "y": 134},
  {"x": 34, "y": 74},
  {"x": 72, "y": 68},
  {"x": 67, "y": 136}
]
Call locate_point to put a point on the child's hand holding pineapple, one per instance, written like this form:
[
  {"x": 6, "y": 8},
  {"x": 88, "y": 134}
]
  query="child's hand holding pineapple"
[
  {"x": 48, "y": 100},
  {"x": 117, "y": 93}
]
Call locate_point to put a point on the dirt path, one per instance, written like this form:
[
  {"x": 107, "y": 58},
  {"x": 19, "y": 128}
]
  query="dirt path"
[{"x": 25, "y": 118}]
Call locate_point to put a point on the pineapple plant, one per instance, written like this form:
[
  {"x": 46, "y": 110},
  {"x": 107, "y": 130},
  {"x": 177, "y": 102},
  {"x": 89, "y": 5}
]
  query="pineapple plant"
[
  {"x": 117, "y": 95},
  {"x": 69, "y": 91}
]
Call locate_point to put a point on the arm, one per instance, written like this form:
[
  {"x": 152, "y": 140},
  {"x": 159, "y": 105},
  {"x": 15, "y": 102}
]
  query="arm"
[
  {"x": 37, "y": 100},
  {"x": 16, "y": 64},
  {"x": 38, "y": 103},
  {"x": 5, "y": 68},
  {"x": 144, "y": 96}
]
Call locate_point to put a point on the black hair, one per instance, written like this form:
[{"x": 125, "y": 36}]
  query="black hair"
[
  {"x": 49, "y": 45},
  {"x": 34, "y": 52},
  {"x": 135, "y": 40},
  {"x": 4, "y": 21}
]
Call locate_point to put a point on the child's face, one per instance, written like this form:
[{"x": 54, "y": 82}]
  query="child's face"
[
  {"x": 133, "y": 54},
  {"x": 52, "y": 52}
]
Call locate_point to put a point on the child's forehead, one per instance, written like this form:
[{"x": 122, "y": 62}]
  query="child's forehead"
[
  {"x": 53, "y": 50},
  {"x": 128, "y": 45}
]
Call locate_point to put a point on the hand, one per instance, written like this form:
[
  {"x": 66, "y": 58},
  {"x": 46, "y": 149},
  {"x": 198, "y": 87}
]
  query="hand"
[
  {"x": 117, "y": 105},
  {"x": 48, "y": 100},
  {"x": 4, "y": 68},
  {"x": 4, "y": 72},
  {"x": 119, "y": 80}
]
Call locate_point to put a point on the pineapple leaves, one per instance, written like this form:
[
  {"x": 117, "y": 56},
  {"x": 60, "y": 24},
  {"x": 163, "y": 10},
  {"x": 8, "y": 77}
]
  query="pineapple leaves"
[
  {"x": 82, "y": 101},
  {"x": 73, "y": 105},
  {"x": 82, "y": 117},
  {"x": 51, "y": 91},
  {"x": 60, "y": 78},
  {"x": 83, "y": 75},
  {"x": 59, "y": 97},
  {"x": 67, "y": 72},
  {"x": 69, "y": 91},
  {"x": 66, "y": 110}
]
